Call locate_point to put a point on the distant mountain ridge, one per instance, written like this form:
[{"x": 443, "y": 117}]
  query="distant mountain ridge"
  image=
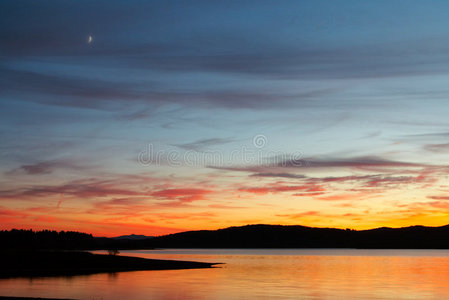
[
  {"x": 296, "y": 236},
  {"x": 132, "y": 237}
]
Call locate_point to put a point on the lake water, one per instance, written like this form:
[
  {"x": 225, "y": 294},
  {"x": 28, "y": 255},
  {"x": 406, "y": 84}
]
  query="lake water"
[{"x": 261, "y": 274}]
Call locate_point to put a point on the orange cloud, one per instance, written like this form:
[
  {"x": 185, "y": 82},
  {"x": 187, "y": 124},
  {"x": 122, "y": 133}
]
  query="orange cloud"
[
  {"x": 280, "y": 188},
  {"x": 182, "y": 194}
]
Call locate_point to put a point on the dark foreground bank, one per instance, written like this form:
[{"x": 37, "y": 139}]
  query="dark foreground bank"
[{"x": 59, "y": 263}]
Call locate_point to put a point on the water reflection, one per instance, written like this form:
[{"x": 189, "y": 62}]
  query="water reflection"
[{"x": 262, "y": 274}]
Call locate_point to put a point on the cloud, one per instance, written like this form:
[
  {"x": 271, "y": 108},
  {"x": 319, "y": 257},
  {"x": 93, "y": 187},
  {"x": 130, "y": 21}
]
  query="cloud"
[
  {"x": 281, "y": 175},
  {"x": 65, "y": 90},
  {"x": 119, "y": 195},
  {"x": 280, "y": 189},
  {"x": 317, "y": 187},
  {"x": 313, "y": 194},
  {"x": 180, "y": 216},
  {"x": 119, "y": 203},
  {"x": 437, "y": 204},
  {"x": 12, "y": 213},
  {"x": 271, "y": 61},
  {"x": 81, "y": 188},
  {"x": 437, "y": 148},
  {"x": 141, "y": 207},
  {"x": 46, "y": 219},
  {"x": 439, "y": 197},
  {"x": 113, "y": 93},
  {"x": 391, "y": 174},
  {"x": 430, "y": 206},
  {"x": 202, "y": 144},
  {"x": 430, "y": 135},
  {"x": 182, "y": 195},
  {"x": 343, "y": 197},
  {"x": 225, "y": 206},
  {"x": 354, "y": 162},
  {"x": 367, "y": 163},
  {"x": 377, "y": 180},
  {"x": 300, "y": 215},
  {"x": 45, "y": 167},
  {"x": 39, "y": 168}
]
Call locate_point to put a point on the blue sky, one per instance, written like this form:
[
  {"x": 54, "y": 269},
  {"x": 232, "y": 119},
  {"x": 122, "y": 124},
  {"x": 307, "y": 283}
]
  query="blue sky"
[{"x": 326, "y": 80}]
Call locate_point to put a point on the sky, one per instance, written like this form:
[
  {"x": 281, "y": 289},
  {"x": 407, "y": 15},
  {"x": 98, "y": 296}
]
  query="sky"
[{"x": 155, "y": 117}]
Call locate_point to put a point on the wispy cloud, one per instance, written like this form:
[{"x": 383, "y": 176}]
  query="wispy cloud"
[
  {"x": 438, "y": 148},
  {"x": 39, "y": 168},
  {"x": 281, "y": 175},
  {"x": 90, "y": 188},
  {"x": 361, "y": 163},
  {"x": 46, "y": 167},
  {"x": 444, "y": 197},
  {"x": 202, "y": 144},
  {"x": 182, "y": 195},
  {"x": 282, "y": 188},
  {"x": 354, "y": 162}
]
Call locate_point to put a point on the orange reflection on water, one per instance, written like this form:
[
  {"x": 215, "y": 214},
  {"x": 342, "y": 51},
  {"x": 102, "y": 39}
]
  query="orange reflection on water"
[{"x": 264, "y": 274}]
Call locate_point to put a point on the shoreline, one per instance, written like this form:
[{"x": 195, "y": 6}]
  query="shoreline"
[{"x": 72, "y": 263}]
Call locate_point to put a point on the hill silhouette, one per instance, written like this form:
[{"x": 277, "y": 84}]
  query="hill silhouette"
[
  {"x": 45, "y": 239},
  {"x": 249, "y": 236},
  {"x": 279, "y": 236},
  {"x": 63, "y": 240}
]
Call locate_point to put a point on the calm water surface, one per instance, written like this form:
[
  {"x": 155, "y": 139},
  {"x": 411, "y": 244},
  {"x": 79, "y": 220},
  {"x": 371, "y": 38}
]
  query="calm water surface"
[{"x": 261, "y": 274}]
